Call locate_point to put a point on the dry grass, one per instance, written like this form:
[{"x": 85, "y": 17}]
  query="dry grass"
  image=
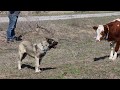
[{"x": 77, "y": 55}]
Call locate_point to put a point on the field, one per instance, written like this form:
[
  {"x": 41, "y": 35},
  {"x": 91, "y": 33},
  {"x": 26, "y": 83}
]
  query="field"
[
  {"x": 77, "y": 55},
  {"x": 51, "y": 13}
]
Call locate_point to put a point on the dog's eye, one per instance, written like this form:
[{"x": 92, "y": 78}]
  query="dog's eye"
[{"x": 46, "y": 45}]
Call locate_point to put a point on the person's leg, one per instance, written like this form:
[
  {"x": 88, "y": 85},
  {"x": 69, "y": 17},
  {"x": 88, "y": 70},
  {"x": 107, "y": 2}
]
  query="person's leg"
[{"x": 11, "y": 27}]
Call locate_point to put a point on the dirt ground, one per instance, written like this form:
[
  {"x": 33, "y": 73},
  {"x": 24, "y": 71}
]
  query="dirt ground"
[{"x": 77, "y": 55}]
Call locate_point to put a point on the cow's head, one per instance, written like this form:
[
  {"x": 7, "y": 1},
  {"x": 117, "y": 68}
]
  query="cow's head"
[{"x": 100, "y": 32}]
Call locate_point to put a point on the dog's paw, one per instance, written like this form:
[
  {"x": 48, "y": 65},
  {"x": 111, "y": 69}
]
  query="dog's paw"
[
  {"x": 19, "y": 68},
  {"x": 38, "y": 70}
]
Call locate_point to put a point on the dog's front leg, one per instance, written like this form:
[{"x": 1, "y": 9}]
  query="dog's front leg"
[
  {"x": 37, "y": 64},
  {"x": 19, "y": 61},
  {"x": 19, "y": 65}
]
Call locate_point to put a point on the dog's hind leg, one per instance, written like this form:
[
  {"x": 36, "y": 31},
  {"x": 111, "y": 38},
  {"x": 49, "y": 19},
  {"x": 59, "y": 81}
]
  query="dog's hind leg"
[
  {"x": 37, "y": 64},
  {"x": 22, "y": 55}
]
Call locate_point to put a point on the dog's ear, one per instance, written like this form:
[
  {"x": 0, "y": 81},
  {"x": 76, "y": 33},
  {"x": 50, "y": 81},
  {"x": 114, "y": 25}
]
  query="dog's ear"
[
  {"x": 48, "y": 39},
  {"x": 95, "y": 27}
]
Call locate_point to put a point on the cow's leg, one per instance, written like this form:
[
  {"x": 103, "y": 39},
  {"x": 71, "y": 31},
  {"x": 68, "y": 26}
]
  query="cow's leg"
[
  {"x": 112, "y": 49},
  {"x": 116, "y": 50}
]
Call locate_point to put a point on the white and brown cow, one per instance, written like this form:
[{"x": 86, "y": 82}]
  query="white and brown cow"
[{"x": 111, "y": 33}]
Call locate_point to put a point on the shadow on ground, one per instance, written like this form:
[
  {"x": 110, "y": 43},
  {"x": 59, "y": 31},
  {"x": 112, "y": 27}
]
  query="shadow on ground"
[
  {"x": 100, "y": 58},
  {"x": 103, "y": 57},
  {"x": 31, "y": 67}
]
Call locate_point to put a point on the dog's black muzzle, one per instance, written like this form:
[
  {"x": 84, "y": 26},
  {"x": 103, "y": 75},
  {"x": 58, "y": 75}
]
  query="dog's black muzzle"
[{"x": 53, "y": 45}]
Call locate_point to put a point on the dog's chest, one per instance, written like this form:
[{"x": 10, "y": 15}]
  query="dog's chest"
[{"x": 33, "y": 53}]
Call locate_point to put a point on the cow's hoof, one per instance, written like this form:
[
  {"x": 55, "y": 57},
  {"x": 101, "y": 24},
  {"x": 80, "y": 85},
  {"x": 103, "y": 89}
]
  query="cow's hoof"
[
  {"x": 110, "y": 58},
  {"x": 113, "y": 59}
]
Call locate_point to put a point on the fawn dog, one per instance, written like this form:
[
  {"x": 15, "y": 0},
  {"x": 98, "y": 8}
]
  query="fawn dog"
[{"x": 37, "y": 51}]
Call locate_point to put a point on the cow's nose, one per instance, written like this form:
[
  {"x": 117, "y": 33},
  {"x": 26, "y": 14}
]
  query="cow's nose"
[{"x": 97, "y": 40}]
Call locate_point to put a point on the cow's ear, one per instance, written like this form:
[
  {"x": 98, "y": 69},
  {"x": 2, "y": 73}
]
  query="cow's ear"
[{"x": 95, "y": 27}]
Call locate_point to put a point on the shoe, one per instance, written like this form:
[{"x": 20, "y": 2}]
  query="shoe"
[
  {"x": 18, "y": 38},
  {"x": 14, "y": 39},
  {"x": 10, "y": 40}
]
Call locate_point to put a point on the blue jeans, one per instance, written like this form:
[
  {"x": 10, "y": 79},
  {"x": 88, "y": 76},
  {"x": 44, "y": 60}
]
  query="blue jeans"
[{"x": 11, "y": 27}]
